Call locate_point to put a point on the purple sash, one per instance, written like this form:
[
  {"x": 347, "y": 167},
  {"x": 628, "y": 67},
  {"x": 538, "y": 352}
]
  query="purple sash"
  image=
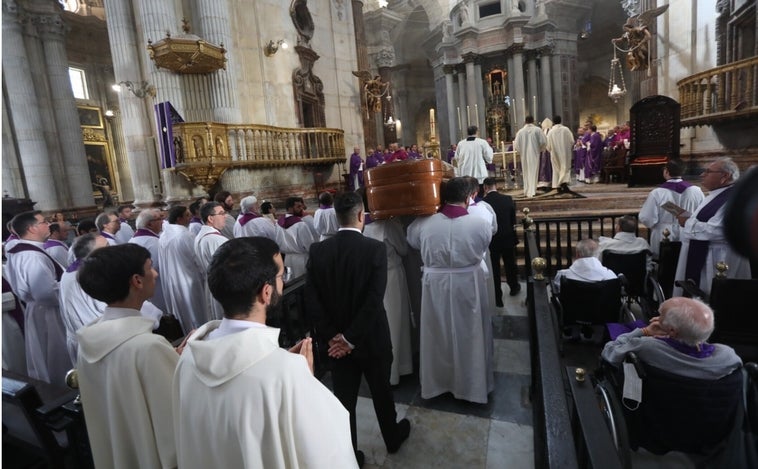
[
  {"x": 21, "y": 247},
  {"x": 698, "y": 250},
  {"x": 107, "y": 235},
  {"x": 11, "y": 237},
  {"x": 367, "y": 219},
  {"x": 324, "y": 207},
  {"x": 453, "y": 211},
  {"x": 144, "y": 232},
  {"x": 678, "y": 187},
  {"x": 196, "y": 220},
  {"x": 51, "y": 243},
  {"x": 703, "y": 351},
  {"x": 246, "y": 217},
  {"x": 285, "y": 221},
  {"x": 74, "y": 266}
]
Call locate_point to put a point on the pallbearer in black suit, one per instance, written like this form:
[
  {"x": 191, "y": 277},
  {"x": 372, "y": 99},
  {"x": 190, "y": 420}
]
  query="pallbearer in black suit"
[
  {"x": 503, "y": 244},
  {"x": 346, "y": 279}
]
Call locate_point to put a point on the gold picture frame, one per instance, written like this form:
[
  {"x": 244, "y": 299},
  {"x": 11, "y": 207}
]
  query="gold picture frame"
[
  {"x": 90, "y": 117},
  {"x": 100, "y": 164}
]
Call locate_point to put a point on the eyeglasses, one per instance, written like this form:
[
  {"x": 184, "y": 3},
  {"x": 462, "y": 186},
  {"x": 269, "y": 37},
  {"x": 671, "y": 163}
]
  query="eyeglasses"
[
  {"x": 219, "y": 213},
  {"x": 286, "y": 275},
  {"x": 43, "y": 222},
  {"x": 709, "y": 171}
]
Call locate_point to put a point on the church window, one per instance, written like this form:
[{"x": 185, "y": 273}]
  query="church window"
[
  {"x": 78, "y": 82},
  {"x": 489, "y": 9}
]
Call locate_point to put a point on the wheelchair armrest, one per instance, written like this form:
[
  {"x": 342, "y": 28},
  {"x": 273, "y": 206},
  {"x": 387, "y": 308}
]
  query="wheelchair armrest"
[
  {"x": 691, "y": 289},
  {"x": 632, "y": 358}
]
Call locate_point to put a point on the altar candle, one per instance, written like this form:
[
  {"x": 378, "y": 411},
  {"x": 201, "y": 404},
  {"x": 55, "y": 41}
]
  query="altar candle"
[
  {"x": 431, "y": 116},
  {"x": 459, "y": 119},
  {"x": 468, "y": 115},
  {"x": 534, "y": 106},
  {"x": 476, "y": 113},
  {"x": 523, "y": 105}
]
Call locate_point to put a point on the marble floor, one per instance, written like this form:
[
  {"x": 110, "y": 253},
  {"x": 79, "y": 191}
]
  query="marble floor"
[{"x": 449, "y": 433}]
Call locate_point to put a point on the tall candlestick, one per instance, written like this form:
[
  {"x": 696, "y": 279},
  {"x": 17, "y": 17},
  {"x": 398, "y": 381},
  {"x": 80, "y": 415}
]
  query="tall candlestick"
[
  {"x": 468, "y": 115},
  {"x": 476, "y": 113},
  {"x": 534, "y": 106},
  {"x": 515, "y": 114},
  {"x": 459, "y": 119},
  {"x": 523, "y": 105}
]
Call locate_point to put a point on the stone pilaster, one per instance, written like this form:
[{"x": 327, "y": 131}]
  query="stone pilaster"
[
  {"x": 136, "y": 123},
  {"x": 546, "y": 96},
  {"x": 519, "y": 94},
  {"x": 22, "y": 100},
  {"x": 531, "y": 70},
  {"x": 75, "y": 168},
  {"x": 452, "y": 116},
  {"x": 462, "y": 103},
  {"x": 481, "y": 114},
  {"x": 557, "y": 90},
  {"x": 359, "y": 28},
  {"x": 469, "y": 60}
]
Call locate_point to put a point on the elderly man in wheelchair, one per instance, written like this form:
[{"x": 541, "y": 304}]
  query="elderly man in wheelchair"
[{"x": 663, "y": 387}]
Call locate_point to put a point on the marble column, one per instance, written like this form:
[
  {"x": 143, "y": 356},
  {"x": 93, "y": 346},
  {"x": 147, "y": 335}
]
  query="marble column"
[
  {"x": 21, "y": 100},
  {"x": 471, "y": 100},
  {"x": 215, "y": 27},
  {"x": 546, "y": 96},
  {"x": 480, "y": 100},
  {"x": 462, "y": 101},
  {"x": 359, "y": 28},
  {"x": 533, "y": 90},
  {"x": 13, "y": 182},
  {"x": 512, "y": 118},
  {"x": 452, "y": 116},
  {"x": 76, "y": 169},
  {"x": 137, "y": 125},
  {"x": 557, "y": 90},
  {"x": 519, "y": 94}
]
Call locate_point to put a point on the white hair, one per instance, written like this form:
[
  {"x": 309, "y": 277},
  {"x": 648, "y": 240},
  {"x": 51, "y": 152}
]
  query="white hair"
[
  {"x": 691, "y": 319},
  {"x": 247, "y": 203},
  {"x": 145, "y": 217},
  {"x": 729, "y": 166}
]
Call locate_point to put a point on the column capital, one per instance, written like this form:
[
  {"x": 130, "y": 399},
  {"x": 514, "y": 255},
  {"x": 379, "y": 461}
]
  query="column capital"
[
  {"x": 471, "y": 57},
  {"x": 10, "y": 7},
  {"x": 51, "y": 26},
  {"x": 515, "y": 48},
  {"x": 450, "y": 69}
]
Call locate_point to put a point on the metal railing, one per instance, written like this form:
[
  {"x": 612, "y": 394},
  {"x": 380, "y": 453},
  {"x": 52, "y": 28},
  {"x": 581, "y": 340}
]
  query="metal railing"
[{"x": 720, "y": 93}]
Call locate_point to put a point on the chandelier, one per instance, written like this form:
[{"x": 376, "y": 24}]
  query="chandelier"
[
  {"x": 187, "y": 53},
  {"x": 616, "y": 92}
]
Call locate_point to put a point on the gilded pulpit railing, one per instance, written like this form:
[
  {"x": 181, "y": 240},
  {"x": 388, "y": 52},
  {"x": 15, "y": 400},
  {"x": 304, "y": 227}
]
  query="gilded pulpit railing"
[
  {"x": 204, "y": 150},
  {"x": 720, "y": 94}
]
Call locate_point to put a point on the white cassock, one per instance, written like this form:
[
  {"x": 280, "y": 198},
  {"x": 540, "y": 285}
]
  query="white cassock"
[
  {"x": 194, "y": 227},
  {"x": 472, "y": 155},
  {"x": 31, "y": 275},
  {"x": 301, "y": 235},
  {"x": 78, "y": 309},
  {"x": 151, "y": 244},
  {"x": 265, "y": 227},
  {"x": 718, "y": 248},
  {"x": 58, "y": 250},
  {"x": 397, "y": 302},
  {"x": 207, "y": 241},
  {"x": 125, "y": 373},
  {"x": 267, "y": 409},
  {"x": 657, "y": 219},
  {"x": 325, "y": 222},
  {"x": 529, "y": 142},
  {"x": 456, "y": 327},
  {"x": 485, "y": 211},
  {"x": 182, "y": 277},
  {"x": 560, "y": 144},
  {"x": 112, "y": 241},
  {"x": 125, "y": 233},
  {"x": 14, "y": 353}
]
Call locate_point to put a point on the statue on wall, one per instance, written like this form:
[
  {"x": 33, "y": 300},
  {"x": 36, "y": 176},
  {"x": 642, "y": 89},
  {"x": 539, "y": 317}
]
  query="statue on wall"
[
  {"x": 374, "y": 89},
  {"x": 636, "y": 38}
]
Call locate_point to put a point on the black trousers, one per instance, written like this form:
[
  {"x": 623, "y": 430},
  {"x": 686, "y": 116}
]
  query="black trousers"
[
  {"x": 346, "y": 376},
  {"x": 508, "y": 255}
]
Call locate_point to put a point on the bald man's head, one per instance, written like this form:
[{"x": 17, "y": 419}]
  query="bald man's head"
[{"x": 687, "y": 320}]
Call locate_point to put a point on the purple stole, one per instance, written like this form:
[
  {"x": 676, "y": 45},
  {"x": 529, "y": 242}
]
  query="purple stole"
[
  {"x": 16, "y": 312},
  {"x": 51, "y": 243},
  {"x": 144, "y": 232},
  {"x": 212, "y": 233},
  {"x": 285, "y": 221},
  {"x": 246, "y": 217},
  {"x": 11, "y": 237},
  {"x": 414, "y": 155},
  {"x": 74, "y": 266},
  {"x": 196, "y": 220},
  {"x": 698, "y": 250},
  {"x": 703, "y": 351},
  {"x": 367, "y": 219},
  {"x": 107, "y": 235},
  {"x": 21, "y": 247},
  {"x": 678, "y": 187},
  {"x": 453, "y": 211},
  {"x": 450, "y": 155},
  {"x": 372, "y": 161}
]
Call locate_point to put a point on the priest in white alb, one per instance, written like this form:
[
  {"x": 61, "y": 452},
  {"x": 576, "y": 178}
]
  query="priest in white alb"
[
  {"x": 529, "y": 142},
  {"x": 207, "y": 241}
]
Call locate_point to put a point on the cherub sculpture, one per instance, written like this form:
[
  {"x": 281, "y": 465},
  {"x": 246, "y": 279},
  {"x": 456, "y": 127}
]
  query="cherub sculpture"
[{"x": 636, "y": 38}]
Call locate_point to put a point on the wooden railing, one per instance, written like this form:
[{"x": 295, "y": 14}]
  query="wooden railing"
[
  {"x": 204, "y": 150},
  {"x": 722, "y": 93}
]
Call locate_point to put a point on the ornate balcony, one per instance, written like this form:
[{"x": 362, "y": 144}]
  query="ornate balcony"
[
  {"x": 721, "y": 94},
  {"x": 204, "y": 150}
]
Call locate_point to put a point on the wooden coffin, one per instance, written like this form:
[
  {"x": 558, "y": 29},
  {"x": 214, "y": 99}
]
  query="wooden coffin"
[{"x": 405, "y": 188}]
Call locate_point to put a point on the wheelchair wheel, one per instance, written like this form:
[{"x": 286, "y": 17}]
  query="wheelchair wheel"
[{"x": 613, "y": 414}]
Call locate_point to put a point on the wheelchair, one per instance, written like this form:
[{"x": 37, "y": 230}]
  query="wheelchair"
[
  {"x": 676, "y": 413},
  {"x": 639, "y": 286}
]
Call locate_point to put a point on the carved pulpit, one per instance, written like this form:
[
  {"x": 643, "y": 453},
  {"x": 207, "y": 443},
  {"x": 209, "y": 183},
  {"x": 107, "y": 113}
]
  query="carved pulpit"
[{"x": 654, "y": 135}]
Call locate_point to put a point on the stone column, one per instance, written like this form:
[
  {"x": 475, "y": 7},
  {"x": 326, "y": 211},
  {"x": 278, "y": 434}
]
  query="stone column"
[
  {"x": 546, "y": 96},
  {"x": 21, "y": 101},
  {"x": 214, "y": 25},
  {"x": 75, "y": 168},
  {"x": 533, "y": 90},
  {"x": 452, "y": 115},
  {"x": 13, "y": 182},
  {"x": 557, "y": 90},
  {"x": 519, "y": 95},
  {"x": 137, "y": 126},
  {"x": 512, "y": 118},
  {"x": 462, "y": 100},
  {"x": 471, "y": 100},
  {"x": 480, "y": 100},
  {"x": 359, "y": 27}
]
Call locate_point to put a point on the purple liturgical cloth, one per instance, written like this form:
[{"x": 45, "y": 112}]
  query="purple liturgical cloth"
[
  {"x": 453, "y": 211},
  {"x": 546, "y": 168},
  {"x": 21, "y": 247},
  {"x": 246, "y": 217},
  {"x": 594, "y": 159},
  {"x": 698, "y": 250},
  {"x": 355, "y": 169},
  {"x": 51, "y": 243},
  {"x": 450, "y": 155},
  {"x": 285, "y": 221},
  {"x": 144, "y": 232},
  {"x": 74, "y": 266},
  {"x": 678, "y": 187},
  {"x": 703, "y": 351}
]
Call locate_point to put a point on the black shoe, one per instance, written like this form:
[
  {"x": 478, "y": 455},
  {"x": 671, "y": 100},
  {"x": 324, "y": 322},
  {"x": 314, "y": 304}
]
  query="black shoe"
[
  {"x": 515, "y": 291},
  {"x": 360, "y": 458},
  {"x": 499, "y": 302},
  {"x": 403, "y": 430}
]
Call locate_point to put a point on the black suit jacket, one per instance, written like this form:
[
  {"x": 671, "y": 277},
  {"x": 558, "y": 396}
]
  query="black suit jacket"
[
  {"x": 505, "y": 210},
  {"x": 345, "y": 283}
]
